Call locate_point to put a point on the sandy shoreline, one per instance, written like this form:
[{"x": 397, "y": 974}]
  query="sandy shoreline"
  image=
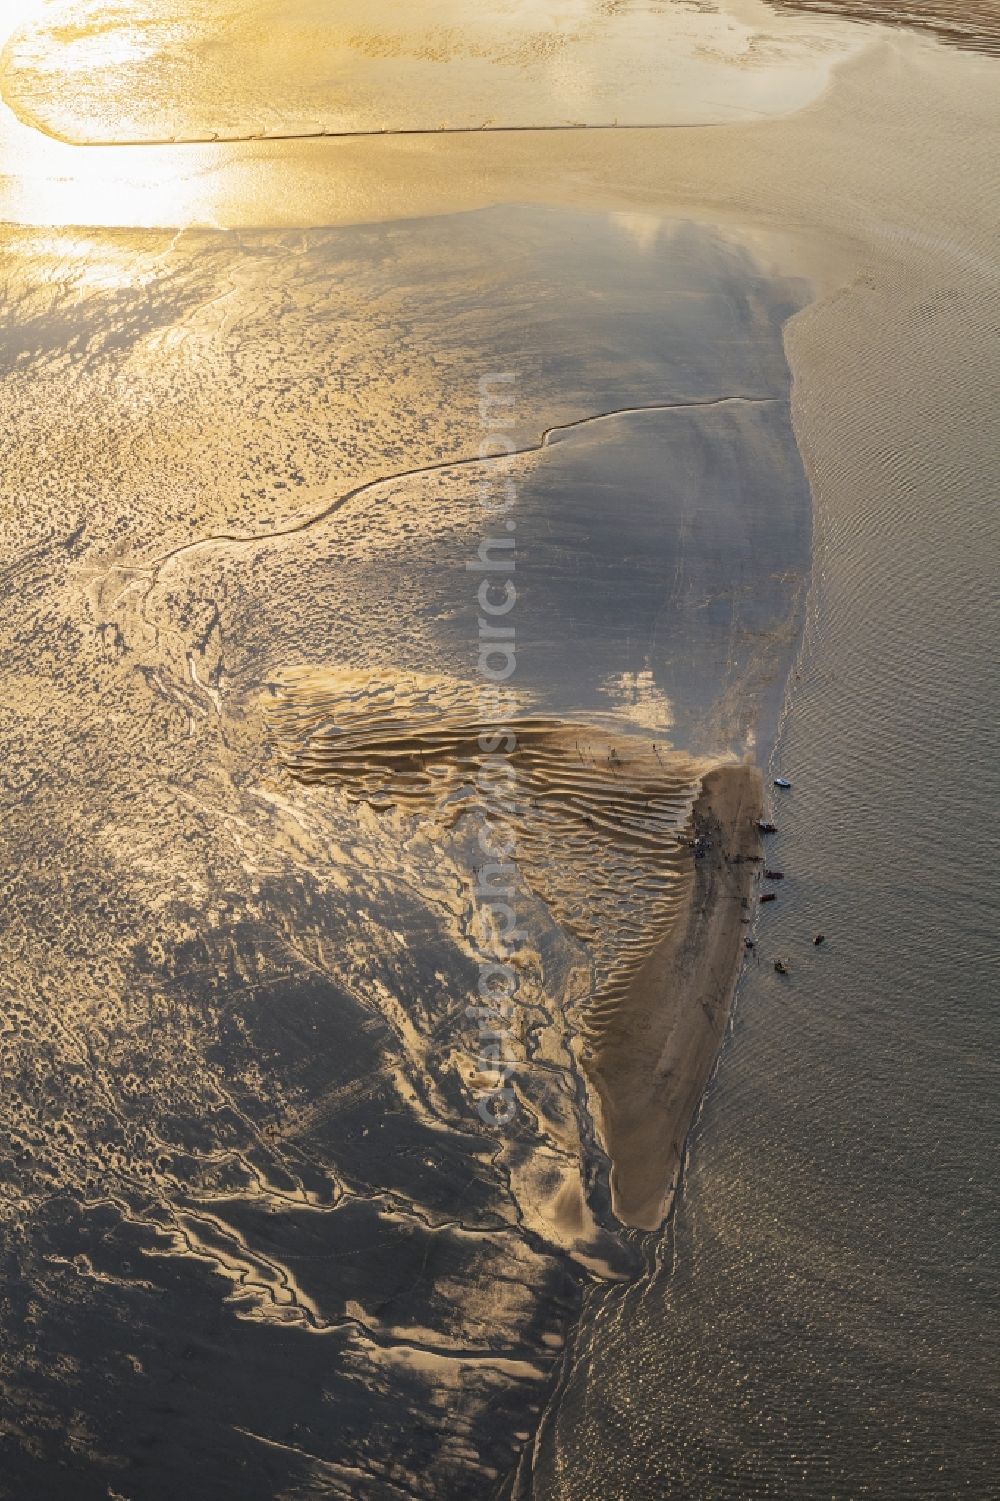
[{"x": 655, "y": 1058}]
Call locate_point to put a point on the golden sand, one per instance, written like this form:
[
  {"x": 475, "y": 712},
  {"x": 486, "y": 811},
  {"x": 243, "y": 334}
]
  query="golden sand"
[{"x": 651, "y": 1065}]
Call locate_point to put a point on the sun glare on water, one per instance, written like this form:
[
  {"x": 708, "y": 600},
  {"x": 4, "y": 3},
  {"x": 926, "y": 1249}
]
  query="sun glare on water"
[
  {"x": 44, "y": 181},
  {"x": 16, "y": 13}
]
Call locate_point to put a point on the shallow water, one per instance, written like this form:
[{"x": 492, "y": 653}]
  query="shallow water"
[
  {"x": 248, "y": 1195},
  {"x": 256, "y": 1127},
  {"x": 819, "y": 1323},
  {"x": 142, "y": 71}
]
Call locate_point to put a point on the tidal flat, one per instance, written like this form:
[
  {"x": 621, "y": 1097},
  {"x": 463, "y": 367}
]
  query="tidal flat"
[
  {"x": 259, "y": 1081},
  {"x": 250, "y": 396}
]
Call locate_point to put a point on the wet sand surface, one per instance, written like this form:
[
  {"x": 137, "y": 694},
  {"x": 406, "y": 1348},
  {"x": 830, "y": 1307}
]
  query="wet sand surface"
[
  {"x": 249, "y": 1199},
  {"x": 261, "y": 1100},
  {"x": 655, "y": 1050},
  {"x": 155, "y": 71}
]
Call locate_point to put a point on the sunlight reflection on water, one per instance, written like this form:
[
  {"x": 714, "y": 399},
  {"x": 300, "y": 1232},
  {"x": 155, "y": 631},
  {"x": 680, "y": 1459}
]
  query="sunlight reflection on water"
[{"x": 142, "y": 73}]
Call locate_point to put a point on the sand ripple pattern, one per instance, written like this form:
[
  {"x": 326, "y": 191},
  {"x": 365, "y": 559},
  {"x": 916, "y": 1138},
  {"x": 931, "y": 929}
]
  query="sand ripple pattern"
[
  {"x": 971, "y": 24},
  {"x": 601, "y": 817}
]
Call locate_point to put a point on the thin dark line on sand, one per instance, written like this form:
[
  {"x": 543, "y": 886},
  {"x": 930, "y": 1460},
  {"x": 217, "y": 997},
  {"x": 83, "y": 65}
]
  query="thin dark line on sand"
[
  {"x": 385, "y": 133},
  {"x": 440, "y": 464}
]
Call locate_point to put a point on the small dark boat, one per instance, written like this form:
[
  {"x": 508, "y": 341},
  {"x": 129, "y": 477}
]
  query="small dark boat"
[
  {"x": 766, "y": 827},
  {"x": 818, "y": 938},
  {"x": 769, "y": 896},
  {"x": 774, "y": 875},
  {"x": 781, "y": 966}
]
